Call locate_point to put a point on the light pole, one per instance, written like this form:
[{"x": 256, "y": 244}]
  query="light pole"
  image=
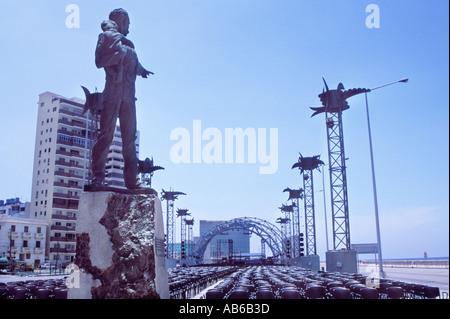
[{"x": 374, "y": 187}]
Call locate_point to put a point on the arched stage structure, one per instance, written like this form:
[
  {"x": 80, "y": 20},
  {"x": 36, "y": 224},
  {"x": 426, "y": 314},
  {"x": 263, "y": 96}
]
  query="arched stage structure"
[{"x": 272, "y": 236}]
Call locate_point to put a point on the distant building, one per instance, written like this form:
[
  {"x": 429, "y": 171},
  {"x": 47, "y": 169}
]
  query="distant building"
[
  {"x": 218, "y": 248},
  {"x": 14, "y": 207},
  {"x": 23, "y": 239},
  {"x": 61, "y": 166}
]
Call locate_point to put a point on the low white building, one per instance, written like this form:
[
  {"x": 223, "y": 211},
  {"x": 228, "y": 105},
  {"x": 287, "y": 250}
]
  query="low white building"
[{"x": 23, "y": 239}]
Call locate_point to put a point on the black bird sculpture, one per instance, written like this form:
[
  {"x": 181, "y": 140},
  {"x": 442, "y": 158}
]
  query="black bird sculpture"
[
  {"x": 335, "y": 100},
  {"x": 308, "y": 163},
  {"x": 294, "y": 193},
  {"x": 93, "y": 102}
]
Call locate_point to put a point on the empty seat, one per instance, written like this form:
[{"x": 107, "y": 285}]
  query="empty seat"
[
  {"x": 431, "y": 292},
  {"x": 418, "y": 290},
  {"x": 351, "y": 282},
  {"x": 32, "y": 289},
  {"x": 300, "y": 284},
  {"x": 214, "y": 294},
  {"x": 383, "y": 286},
  {"x": 43, "y": 293},
  {"x": 4, "y": 293},
  {"x": 340, "y": 293},
  {"x": 356, "y": 289},
  {"x": 240, "y": 293},
  {"x": 61, "y": 293},
  {"x": 264, "y": 294},
  {"x": 369, "y": 293},
  {"x": 290, "y": 293},
  {"x": 395, "y": 292},
  {"x": 315, "y": 292},
  {"x": 20, "y": 293},
  {"x": 11, "y": 288},
  {"x": 332, "y": 284}
]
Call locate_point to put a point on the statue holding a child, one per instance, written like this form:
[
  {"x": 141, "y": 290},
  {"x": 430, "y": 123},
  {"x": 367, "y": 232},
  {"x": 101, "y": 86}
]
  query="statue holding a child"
[{"x": 116, "y": 54}]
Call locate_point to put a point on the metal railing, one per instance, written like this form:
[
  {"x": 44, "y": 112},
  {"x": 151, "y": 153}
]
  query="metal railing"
[{"x": 411, "y": 263}]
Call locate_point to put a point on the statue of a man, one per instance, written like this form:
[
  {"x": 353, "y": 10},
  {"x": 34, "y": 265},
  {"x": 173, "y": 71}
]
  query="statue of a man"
[{"x": 117, "y": 55}]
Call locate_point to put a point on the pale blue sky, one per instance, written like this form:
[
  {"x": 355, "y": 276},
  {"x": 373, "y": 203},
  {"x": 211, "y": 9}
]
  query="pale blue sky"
[{"x": 258, "y": 64}]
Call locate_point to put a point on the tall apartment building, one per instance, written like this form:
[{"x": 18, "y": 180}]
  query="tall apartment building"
[{"x": 59, "y": 170}]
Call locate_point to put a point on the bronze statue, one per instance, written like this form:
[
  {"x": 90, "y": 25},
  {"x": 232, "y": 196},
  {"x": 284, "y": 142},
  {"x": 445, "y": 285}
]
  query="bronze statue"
[{"x": 117, "y": 56}]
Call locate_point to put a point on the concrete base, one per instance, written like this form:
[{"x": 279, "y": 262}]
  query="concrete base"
[
  {"x": 311, "y": 262},
  {"x": 120, "y": 247},
  {"x": 341, "y": 261}
]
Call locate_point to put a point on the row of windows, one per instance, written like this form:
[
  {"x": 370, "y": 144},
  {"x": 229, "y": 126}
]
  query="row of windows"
[
  {"x": 54, "y": 108},
  {"x": 45, "y": 161},
  {"x": 42, "y": 182},
  {"x": 43, "y": 171},
  {"x": 45, "y": 151},
  {"x": 60, "y": 224},
  {"x": 26, "y": 229},
  {"x": 45, "y": 193},
  {"x": 49, "y": 140},
  {"x": 50, "y": 120},
  {"x": 49, "y": 130},
  {"x": 26, "y": 244}
]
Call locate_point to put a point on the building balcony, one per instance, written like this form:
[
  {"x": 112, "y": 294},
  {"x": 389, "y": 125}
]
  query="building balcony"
[
  {"x": 63, "y": 239},
  {"x": 62, "y": 195},
  {"x": 67, "y": 185},
  {"x": 39, "y": 236},
  {"x": 27, "y": 250},
  {"x": 65, "y": 206},
  {"x": 15, "y": 234},
  {"x": 68, "y": 164},
  {"x": 73, "y": 142},
  {"x": 38, "y": 251},
  {"x": 62, "y": 111},
  {"x": 65, "y": 203},
  {"x": 27, "y": 235},
  {"x": 71, "y": 154},
  {"x": 63, "y": 217},
  {"x": 62, "y": 228},
  {"x": 62, "y": 250},
  {"x": 72, "y": 123},
  {"x": 58, "y": 173},
  {"x": 57, "y": 250}
]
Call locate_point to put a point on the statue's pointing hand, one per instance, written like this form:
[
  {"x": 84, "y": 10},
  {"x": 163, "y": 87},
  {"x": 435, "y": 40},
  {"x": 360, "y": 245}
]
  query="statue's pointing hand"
[{"x": 143, "y": 72}]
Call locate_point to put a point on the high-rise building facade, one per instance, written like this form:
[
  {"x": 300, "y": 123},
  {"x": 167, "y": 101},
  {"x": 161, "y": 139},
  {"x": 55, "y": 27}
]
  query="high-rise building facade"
[{"x": 60, "y": 168}]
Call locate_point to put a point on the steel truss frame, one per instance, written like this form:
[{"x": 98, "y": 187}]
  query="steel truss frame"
[
  {"x": 272, "y": 235},
  {"x": 310, "y": 224},
  {"x": 338, "y": 181}
]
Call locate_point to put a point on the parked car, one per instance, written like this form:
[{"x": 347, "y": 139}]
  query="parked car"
[{"x": 4, "y": 263}]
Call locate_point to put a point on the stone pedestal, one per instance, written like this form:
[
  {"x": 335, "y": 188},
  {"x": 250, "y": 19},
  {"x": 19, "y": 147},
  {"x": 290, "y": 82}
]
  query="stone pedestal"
[{"x": 120, "y": 247}]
